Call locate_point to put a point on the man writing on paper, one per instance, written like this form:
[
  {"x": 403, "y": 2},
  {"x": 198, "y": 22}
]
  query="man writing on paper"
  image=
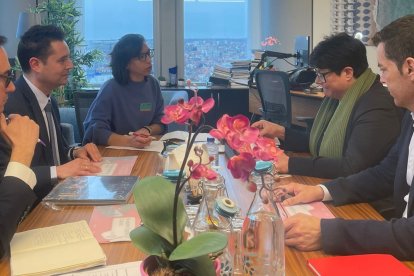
[
  {"x": 21, "y": 135},
  {"x": 394, "y": 175},
  {"x": 45, "y": 60}
]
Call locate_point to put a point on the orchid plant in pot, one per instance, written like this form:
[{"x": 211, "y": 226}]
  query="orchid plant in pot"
[{"x": 161, "y": 235}]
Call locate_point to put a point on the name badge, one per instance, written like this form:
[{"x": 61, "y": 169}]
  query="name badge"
[{"x": 145, "y": 107}]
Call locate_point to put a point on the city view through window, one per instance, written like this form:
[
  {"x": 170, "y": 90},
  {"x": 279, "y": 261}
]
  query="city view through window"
[{"x": 215, "y": 32}]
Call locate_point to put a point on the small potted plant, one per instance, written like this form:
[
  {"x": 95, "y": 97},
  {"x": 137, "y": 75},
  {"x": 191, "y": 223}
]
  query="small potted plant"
[
  {"x": 181, "y": 82},
  {"x": 162, "y": 80},
  {"x": 161, "y": 235}
]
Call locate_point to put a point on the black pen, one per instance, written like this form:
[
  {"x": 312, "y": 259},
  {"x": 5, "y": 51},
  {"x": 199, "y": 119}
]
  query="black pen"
[{"x": 38, "y": 140}]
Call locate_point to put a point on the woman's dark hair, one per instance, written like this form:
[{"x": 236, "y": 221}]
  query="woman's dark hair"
[
  {"x": 339, "y": 51},
  {"x": 36, "y": 43},
  {"x": 127, "y": 48},
  {"x": 398, "y": 40}
]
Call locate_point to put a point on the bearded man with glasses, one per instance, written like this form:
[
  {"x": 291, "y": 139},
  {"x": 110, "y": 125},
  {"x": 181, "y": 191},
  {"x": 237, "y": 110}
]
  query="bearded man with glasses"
[
  {"x": 129, "y": 107},
  {"x": 356, "y": 123}
]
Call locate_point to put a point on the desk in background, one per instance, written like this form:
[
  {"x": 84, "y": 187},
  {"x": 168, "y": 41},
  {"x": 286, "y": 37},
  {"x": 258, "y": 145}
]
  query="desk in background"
[
  {"x": 303, "y": 104},
  {"x": 148, "y": 164}
]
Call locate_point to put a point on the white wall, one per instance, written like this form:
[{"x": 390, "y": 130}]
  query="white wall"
[
  {"x": 321, "y": 28},
  {"x": 287, "y": 19}
]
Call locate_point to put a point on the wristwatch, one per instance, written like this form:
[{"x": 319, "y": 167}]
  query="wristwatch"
[{"x": 148, "y": 128}]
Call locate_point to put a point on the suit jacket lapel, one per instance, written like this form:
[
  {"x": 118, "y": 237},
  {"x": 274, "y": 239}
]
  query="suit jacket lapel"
[
  {"x": 401, "y": 187},
  {"x": 38, "y": 118}
]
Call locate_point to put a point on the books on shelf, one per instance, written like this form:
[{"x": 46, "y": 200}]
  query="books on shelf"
[
  {"x": 358, "y": 265},
  {"x": 92, "y": 190},
  {"x": 57, "y": 249}
]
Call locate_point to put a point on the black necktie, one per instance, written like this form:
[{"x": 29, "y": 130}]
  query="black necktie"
[{"x": 52, "y": 133}]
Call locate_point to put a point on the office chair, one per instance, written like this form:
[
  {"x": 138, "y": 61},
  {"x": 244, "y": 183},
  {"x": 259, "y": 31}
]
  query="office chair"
[
  {"x": 83, "y": 101},
  {"x": 274, "y": 92}
]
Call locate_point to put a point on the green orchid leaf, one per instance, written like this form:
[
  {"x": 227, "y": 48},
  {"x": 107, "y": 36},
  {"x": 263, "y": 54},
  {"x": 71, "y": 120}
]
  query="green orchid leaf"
[
  {"x": 202, "y": 265},
  {"x": 154, "y": 199},
  {"x": 202, "y": 244},
  {"x": 149, "y": 242}
]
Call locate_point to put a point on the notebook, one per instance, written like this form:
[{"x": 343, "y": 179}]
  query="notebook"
[
  {"x": 92, "y": 190},
  {"x": 55, "y": 249}
]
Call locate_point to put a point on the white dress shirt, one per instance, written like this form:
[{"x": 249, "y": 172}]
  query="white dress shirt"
[
  {"x": 42, "y": 100},
  {"x": 22, "y": 172}
]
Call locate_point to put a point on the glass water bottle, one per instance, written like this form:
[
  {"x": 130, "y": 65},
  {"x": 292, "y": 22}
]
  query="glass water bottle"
[
  {"x": 263, "y": 231},
  {"x": 212, "y": 216}
]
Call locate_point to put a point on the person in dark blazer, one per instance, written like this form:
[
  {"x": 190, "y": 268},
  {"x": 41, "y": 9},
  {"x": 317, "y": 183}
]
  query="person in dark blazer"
[
  {"x": 45, "y": 60},
  {"x": 393, "y": 176},
  {"x": 17, "y": 181},
  {"x": 356, "y": 124}
]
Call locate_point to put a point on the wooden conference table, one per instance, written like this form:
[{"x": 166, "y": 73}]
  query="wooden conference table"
[{"x": 148, "y": 164}]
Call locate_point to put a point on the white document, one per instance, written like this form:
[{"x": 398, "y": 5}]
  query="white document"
[
  {"x": 117, "y": 166},
  {"x": 156, "y": 146},
  {"x": 120, "y": 229},
  {"x": 183, "y": 135},
  {"x": 126, "y": 269}
]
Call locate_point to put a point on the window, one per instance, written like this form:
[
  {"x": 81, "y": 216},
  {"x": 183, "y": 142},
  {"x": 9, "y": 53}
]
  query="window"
[
  {"x": 191, "y": 34},
  {"x": 215, "y": 32},
  {"x": 105, "y": 21}
]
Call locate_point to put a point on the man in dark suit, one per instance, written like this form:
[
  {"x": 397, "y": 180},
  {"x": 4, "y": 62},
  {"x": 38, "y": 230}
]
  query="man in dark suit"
[
  {"x": 45, "y": 60},
  {"x": 393, "y": 176},
  {"x": 21, "y": 134}
]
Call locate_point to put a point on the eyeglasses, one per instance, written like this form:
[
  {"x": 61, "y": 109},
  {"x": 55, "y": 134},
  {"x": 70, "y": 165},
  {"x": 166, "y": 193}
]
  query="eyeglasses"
[
  {"x": 144, "y": 56},
  {"x": 322, "y": 76},
  {"x": 9, "y": 76}
]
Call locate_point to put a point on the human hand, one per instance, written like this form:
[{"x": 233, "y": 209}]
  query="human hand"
[
  {"x": 269, "y": 129},
  {"x": 140, "y": 138},
  {"x": 77, "y": 167},
  {"x": 22, "y": 133},
  {"x": 282, "y": 164},
  {"x": 295, "y": 193},
  {"x": 88, "y": 152},
  {"x": 303, "y": 232}
]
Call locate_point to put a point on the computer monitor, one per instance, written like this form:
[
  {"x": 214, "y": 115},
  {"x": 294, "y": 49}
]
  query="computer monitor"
[{"x": 302, "y": 50}]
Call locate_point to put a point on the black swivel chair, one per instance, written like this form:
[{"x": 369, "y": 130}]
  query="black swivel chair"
[
  {"x": 83, "y": 101},
  {"x": 274, "y": 92}
]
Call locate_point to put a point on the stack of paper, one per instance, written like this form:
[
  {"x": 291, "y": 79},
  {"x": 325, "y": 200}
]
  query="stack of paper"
[{"x": 56, "y": 249}]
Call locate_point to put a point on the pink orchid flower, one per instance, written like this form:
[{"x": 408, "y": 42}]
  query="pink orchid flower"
[
  {"x": 175, "y": 113},
  {"x": 270, "y": 41},
  {"x": 197, "y": 106},
  {"x": 266, "y": 149},
  {"x": 200, "y": 170},
  {"x": 237, "y": 132},
  {"x": 241, "y": 165}
]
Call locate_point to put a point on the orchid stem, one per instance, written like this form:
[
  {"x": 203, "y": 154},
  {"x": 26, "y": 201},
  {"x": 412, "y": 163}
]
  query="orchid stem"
[{"x": 180, "y": 185}]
